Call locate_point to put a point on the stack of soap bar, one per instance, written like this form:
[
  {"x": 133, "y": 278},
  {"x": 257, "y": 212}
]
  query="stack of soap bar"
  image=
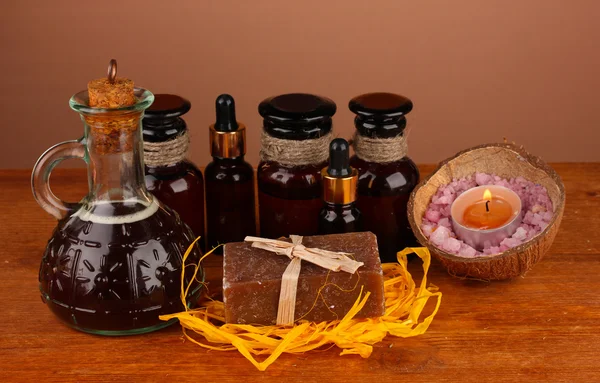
[{"x": 252, "y": 281}]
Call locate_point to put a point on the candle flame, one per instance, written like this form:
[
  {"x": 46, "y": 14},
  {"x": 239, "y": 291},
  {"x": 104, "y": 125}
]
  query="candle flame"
[{"x": 487, "y": 195}]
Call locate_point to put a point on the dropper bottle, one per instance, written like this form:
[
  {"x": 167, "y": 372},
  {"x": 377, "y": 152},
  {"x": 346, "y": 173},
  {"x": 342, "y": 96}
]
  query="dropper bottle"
[
  {"x": 339, "y": 213},
  {"x": 230, "y": 205}
]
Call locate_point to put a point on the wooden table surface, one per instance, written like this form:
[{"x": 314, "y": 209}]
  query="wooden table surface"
[{"x": 544, "y": 327}]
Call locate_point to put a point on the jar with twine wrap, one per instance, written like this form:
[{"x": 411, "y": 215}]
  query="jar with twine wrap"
[
  {"x": 294, "y": 148},
  {"x": 386, "y": 175},
  {"x": 169, "y": 176}
]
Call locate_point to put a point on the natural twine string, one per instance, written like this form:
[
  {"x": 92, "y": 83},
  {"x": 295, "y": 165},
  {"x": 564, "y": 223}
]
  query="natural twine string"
[
  {"x": 380, "y": 150},
  {"x": 166, "y": 153},
  {"x": 295, "y": 152}
]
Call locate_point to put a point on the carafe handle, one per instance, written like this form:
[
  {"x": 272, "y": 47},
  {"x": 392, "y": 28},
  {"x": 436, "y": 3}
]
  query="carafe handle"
[{"x": 40, "y": 177}]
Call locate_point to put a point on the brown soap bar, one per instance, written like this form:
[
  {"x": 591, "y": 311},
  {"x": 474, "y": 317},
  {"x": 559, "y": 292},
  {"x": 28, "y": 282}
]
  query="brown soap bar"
[{"x": 252, "y": 281}]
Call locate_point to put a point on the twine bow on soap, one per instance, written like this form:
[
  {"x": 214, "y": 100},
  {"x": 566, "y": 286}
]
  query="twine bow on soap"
[{"x": 296, "y": 251}]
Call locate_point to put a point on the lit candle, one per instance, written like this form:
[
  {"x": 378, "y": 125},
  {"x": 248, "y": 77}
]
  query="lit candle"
[
  {"x": 488, "y": 213},
  {"x": 484, "y": 216}
]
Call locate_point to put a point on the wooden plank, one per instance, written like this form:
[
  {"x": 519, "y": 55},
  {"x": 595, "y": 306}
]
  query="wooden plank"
[{"x": 541, "y": 328}]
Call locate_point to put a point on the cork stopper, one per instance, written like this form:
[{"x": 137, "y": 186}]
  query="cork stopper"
[
  {"x": 111, "y": 92},
  {"x": 112, "y": 133}
]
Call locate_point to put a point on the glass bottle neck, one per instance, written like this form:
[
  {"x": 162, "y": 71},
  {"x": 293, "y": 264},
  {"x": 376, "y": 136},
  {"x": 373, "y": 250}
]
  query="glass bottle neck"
[
  {"x": 339, "y": 207},
  {"x": 226, "y": 161},
  {"x": 115, "y": 160}
]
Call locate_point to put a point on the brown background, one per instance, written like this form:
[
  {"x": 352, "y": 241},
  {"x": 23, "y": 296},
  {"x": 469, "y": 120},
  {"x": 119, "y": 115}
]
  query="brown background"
[{"x": 476, "y": 70}]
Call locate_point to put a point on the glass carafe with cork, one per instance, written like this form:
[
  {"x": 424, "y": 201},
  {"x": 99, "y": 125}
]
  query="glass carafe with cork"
[{"x": 114, "y": 262}]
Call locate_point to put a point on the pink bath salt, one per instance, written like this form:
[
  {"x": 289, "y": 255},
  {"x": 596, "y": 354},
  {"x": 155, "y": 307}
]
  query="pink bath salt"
[
  {"x": 520, "y": 234},
  {"x": 432, "y": 215},
  {"x": 538, "y": 208},
  {"x": 439, "y": 236},
  {"x": 503, "y": 183},
  {"x": 547, "y": 216},
  {"x": 467, "y": 251},
  {"x": 528, "y": 217},
  {"x": 520, "y": 180},
  {"x": 448, "y": 190},
  {"x": 446, "y": 199},
  {"x": 461, "y": 185},
  {"x": 446, "y": 211},
  {"x": 545, "y": 201},
  {"x": 468, "y": 184},
  {"x": 537, "y": 219},
  {"x": 533, "y": 232},
  {"x": 543, "y": 226},
  {"x": 483, "y": 179},
  {"x": 437, "y": 206},
  {"x": 427, "y": 229},
  {"x": 492, "y": 250},
  {"x": 458, "y": 186},
  {"x": 451, "y": 245},
  {"x": 525, "y": 226},
  {"x": 445, "y": 222},
  {"x": 510, "y": 242}
]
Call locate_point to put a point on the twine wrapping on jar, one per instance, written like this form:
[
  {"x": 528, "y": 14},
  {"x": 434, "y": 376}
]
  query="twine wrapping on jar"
[
  {"x": 380, "y": 150},
  {"x": 166, "y": 153},
  {"x": 295, "y": 152}
]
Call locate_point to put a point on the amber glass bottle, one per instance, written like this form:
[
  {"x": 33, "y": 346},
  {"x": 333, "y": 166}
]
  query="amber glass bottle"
[
  {"x": 294, "y": 149},
  {"x": 169, "y": 176},
  {"x": 230, "y": 201},
  {"x": 386, "y": 175},
  {"x": 339, "y": 213}
]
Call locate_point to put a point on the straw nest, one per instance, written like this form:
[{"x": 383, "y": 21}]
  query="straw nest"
[{"x": 507, "y": 161}]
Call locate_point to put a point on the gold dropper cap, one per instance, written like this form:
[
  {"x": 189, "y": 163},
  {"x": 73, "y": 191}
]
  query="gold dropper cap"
[
  {"x": 339, "y": 178},
  {"x": 227, "y": 144},
  {"x": 227, "y": 137},
  {"x": 339, "y": 191}
]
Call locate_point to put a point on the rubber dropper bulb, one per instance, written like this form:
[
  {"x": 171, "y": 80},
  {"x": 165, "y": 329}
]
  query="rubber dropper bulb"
[
  {"x": 339, "y": 158},
  {"x": 225, "y": 106}
]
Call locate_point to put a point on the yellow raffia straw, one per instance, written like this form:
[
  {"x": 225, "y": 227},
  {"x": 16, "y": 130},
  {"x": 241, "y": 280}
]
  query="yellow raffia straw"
[{"x": 404, "y": 304}]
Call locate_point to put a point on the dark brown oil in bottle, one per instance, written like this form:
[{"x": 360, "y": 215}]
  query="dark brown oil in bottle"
[
  {"x": 339, "y": 213},
  {"x": 289, "y": 199},
  {"x": 289, "y": 194},
  {"x": 179, "y": 185},
  {"x": 230, "y": 204},
  {"x": 96, "y": 274},
  {"x": 384, "y": 187}
]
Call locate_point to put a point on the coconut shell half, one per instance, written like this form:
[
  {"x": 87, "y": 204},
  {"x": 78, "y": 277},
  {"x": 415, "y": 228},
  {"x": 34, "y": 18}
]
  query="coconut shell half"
[{"x": 507, "y": 161}]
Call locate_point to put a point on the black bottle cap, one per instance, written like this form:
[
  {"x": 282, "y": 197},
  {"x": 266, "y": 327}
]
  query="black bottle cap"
[
  {"x": 339, "y": 158},
  {"x": 162, "y": 121},
  {"x": 225, "y": 106},
  {"x": 380, "y": 115},
  {"x": 297, "y": 116}
]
